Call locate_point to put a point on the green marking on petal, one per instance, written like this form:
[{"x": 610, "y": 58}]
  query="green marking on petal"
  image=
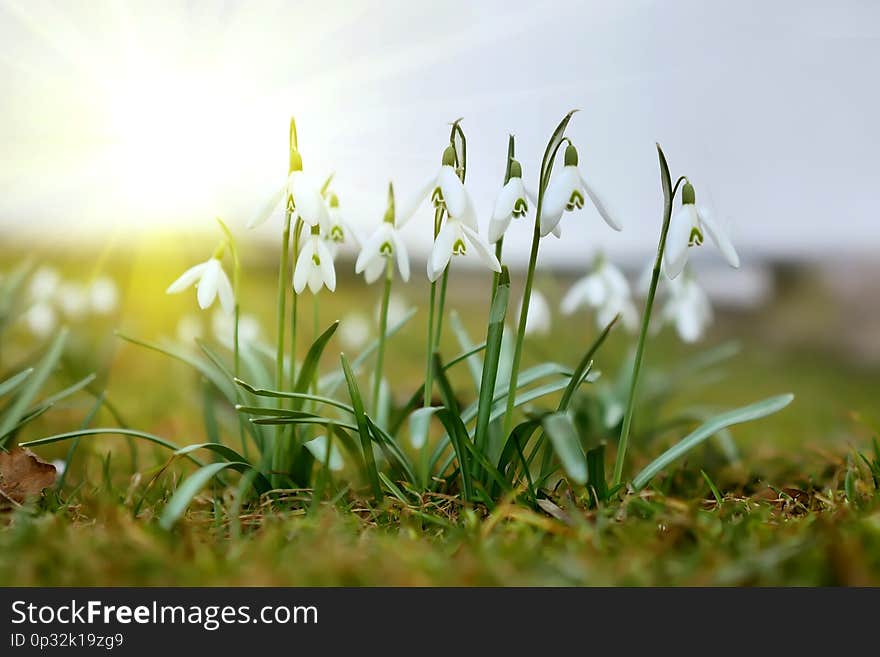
[
  {"x": 459, "y": 248},
  {"x": 386, "y": 250},
  {"x": 520, "y": 208},
  {"x": 575, "y": 201},
  {"x": 316, "y": 259},
  {"x": 696, "y": 238},
  {"x": 337, "y": 234}
]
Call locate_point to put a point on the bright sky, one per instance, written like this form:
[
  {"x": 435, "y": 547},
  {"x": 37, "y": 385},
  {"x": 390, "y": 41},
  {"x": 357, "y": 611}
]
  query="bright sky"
[{"x": 124, "y": 117}]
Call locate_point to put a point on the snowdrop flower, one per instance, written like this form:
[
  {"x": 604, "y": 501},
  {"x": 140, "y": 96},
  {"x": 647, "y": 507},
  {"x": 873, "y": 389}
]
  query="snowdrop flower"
[
  {"x": 688, "y": 308},
  {"x": 223, "y": 326},
  {"x": 445, "y": 190},
  {"x": 41, "y": 319},
  {"x": 606, "y": 290},
  {"x": 538, "y": 321},
  {"x": 301, "y": 196},
  {"x": 512, "y": 203},
  {"x": 44, "y": 283},
  {"x": 337, "y": 230},
  {"x": 566, "y": 193},
  {"x": 314, "y": 266},
  {"x": 686, "y": 230},
  {"x": 383, "y": 244},
  {"x": 454, "y": 238},
  {"x": 73, "y": 299},
  {"x": 103, "y": 295},
  {"x": 210, "y": 281},
  {"x": 60, "y": 466},
  {"x": 318, "y": 448}
]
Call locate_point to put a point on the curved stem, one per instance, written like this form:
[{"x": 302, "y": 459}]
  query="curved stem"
[
  {"x": 622, "y": 445},
  {"x": 383, "y": 329}
]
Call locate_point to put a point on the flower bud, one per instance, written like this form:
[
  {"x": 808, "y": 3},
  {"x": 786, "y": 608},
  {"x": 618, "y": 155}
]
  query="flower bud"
[
  {"x": 515, "y": 169},
  {"x": 688, "y": 196},
  {"x": 571, "y": 156},
  {"x": 296, "y": 162},
  {"x": 449, "y": 156}
]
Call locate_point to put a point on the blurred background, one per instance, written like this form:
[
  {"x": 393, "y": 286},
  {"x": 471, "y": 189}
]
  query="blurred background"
[{"x": 127, "y": 127}]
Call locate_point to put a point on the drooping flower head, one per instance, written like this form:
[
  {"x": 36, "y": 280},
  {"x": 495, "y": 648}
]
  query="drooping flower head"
[
  {"x": 687, "y": 308},
  {"x": 686, "y": 229},
  {"x": 314, "y": 266},
  {"x": 384, "y": 244},
  {"x": 606, "y": 290},
  {"x": 566, "y": 193},
  {"x": 210, "y": 280},
  {"x": 512, "y": 203}
]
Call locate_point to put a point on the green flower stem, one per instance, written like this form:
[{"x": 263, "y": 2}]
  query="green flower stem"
[
  {"x": 669, "y": 194},
  {"x": 429, "y": 344},
  {"x": 383, "y": 328},
  {"x": 441, "y": 305},
  {"x": 281, "y": 301}
]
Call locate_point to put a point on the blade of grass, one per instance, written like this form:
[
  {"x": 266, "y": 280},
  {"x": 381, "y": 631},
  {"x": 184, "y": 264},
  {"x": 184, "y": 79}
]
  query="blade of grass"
[{"x": 362, "y": 427}]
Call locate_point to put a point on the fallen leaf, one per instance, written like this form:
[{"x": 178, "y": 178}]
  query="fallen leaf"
[{"x": 23, "y": 474}]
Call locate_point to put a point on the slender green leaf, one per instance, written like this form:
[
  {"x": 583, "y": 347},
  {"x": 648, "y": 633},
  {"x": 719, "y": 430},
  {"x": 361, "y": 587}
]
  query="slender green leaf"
[
  {"x": 117, "y": 431},
  {"x": 584, "y": 366},
  {"x": 362, "y": 427},
  {"x": 14, "y": 381},
  {"x": 313, "y": 357},
  {"x": 263, "y": 392},
  {"x": 457, "y": 433},
  {"x": 567, "y": 445},
  {"x": 737, "y": 416},
  {"x": 17, "y": 409}
]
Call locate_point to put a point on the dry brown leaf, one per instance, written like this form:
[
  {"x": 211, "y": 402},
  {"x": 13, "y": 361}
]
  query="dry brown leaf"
[{"x": 23, "y": 474}]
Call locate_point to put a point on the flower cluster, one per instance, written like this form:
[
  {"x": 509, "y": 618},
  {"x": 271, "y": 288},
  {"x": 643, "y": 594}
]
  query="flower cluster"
[{"x": 50, "y": 297}]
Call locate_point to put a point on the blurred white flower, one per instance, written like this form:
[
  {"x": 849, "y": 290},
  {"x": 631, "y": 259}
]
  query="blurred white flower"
[
  {"x": 189, "y": 328},
  {"x": 103, "y": 295},
  {"x": 223, "y": 327},
  {"x": 210, "y": 280},
  {"x": 73, "y": 298},
  {"x": 566, "y": 193},
  {"x": 60, "y": 466},
  {"x": 41, "y": 319},
  {"x": 396, "y": 309},
  {"x": 318, "y": 448},
  {"x": 314, "y": 266},
  {"x": 383, "y": 244},
  {"x": 686, "y": 230},
  {"x": 338, "y": 230},
  {"x": 354, "y": 330},
  {"x": 44, "y": 284},
  {"x": 538, "y": 321},
  {"x": 606, "y": 290},
  {"x": 512, "y": 202},
  {"x": 688, "y": 308}
]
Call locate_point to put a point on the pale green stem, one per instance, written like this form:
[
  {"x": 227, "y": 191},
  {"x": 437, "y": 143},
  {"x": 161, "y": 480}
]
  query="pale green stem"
[
  {"x": 297, "y": 229},
  {"x": 441, "y": 305},
  {"x": 640, "y": 348},
  {"x": 523, "y": 316},
  {"x": 383, "y": 328},
  {"x": 281, "y": 302}
]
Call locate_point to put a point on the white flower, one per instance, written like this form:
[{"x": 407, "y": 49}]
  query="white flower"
[
  {"x": 60, "y": 466},
  {"x": 103, "y": 295},
  {"x": 354, "y": 331},
  {"x": 189, "y": 329},
  {"x": 512, "y": 202},
  {"x": 607, "y": 291},
  {"x": 566, "y": 192},
  {"x": 41, "y": 319},
  {"x": 223, "y": 326},
  {"x": 688, "y": 308},
  {"x": 301, "y": 195},
  {"x": 538, "y": 321},
  {"x": 73, "y": 299},
  {"x": 445, "y": 189},
  {"x": 454, "y": 239},
  {"x": 210, "y": 281},
  {"x": 318, "y": 447},
  {"x": 337, "y": 230},
  {"x": 314, "y": 266},
  {"x": 383, "y": 244},
  {"x": 44, "y": 284},
  {"x": 686, "y": 229}
]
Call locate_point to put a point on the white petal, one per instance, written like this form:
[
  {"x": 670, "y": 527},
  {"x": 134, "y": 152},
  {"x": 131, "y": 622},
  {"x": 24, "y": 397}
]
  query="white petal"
[
  {"x": 678, "y": 238},
  {"x": 316, "y": 278},
  {"x": 719, "y": 236},
  {"x": 303, "y": 267},
  {"x": 327, "y": 270},
  {"x": 225, "y": 292},
  {"x": 497, "y": 228},
  {"x": 469, "y": 217},
  {"x": 600, "y": 206},
  {"x": 405, "y": 212},
  {"x": 507, "y": 199},
  {"x": 207, "y": 288},
  {"x": 307, "y": 199},
  {"x": 374, "y": 270},
  {"x": 275, "y": 202},
  {"x": 401, "y": 254},
  {"x": 482, "y": 248},
  {"x": 370, "y": 250},
  {"x": 556, "y": 198},
  {"x": 587, "y": 291},
  {"x": 557, "y": 231},
  {"x": 318, "y": 448},
  {"x": 442, "y": 250},
  {"x": 454, "y": 194},
  {"x": 187, "y": 279}
]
